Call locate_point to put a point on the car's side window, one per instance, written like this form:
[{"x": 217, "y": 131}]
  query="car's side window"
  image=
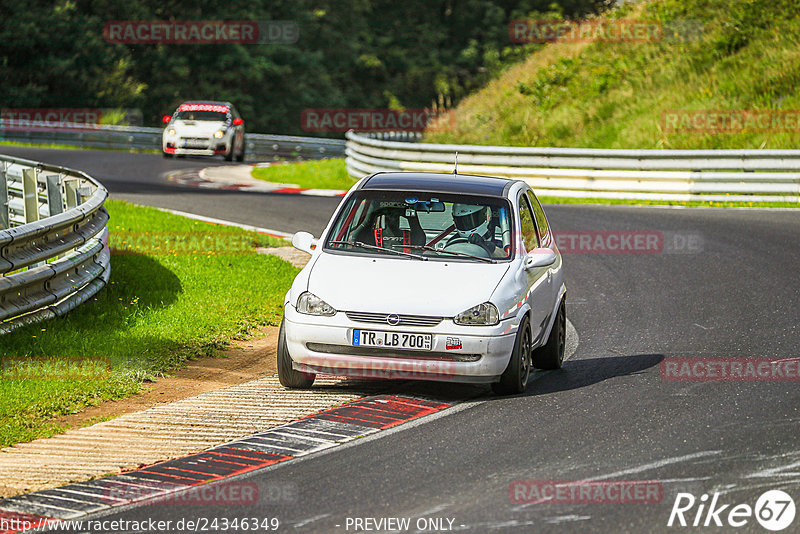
[
  {"x": 527, "y": 226},
  {"x": 541, "y": 220}
]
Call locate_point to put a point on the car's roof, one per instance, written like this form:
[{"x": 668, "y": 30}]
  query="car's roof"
[
  {"x": 467, "y": 184},
  {"x": 209, "y": 102}
]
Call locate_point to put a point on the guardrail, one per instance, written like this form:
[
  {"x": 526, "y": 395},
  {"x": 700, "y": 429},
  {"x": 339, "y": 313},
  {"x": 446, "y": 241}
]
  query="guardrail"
[
  {"x": 53, "y": 241},
  {"x": 258, "y": 147},
  {"x": 714, "y": 175}
]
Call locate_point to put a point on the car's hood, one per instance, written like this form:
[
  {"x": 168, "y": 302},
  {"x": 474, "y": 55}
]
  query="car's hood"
[
  {"x": 204, "y": 128},
  {"x": 403, "y": 286}
]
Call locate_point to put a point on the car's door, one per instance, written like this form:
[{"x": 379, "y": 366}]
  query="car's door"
[
  {"x": 538, "y": 287},
  {"x": 546, "y": 240}
]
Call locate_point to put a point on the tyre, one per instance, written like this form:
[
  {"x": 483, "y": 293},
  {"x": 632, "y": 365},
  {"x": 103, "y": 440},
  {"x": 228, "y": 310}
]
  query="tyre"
[
  {"x": 240, "y": 155},
  {"x": 551, "y": 354},
  {"x": 229, "y": 153},
  {"x": 166, "y": 154},
  {"x": 515, "y": 378},
  {"x": 287, "y": 376}
]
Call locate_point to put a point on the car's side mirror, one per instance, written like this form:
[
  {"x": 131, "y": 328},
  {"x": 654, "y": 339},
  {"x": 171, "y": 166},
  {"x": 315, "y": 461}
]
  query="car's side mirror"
[
  {"x": 237, "y": 121},
  {"x": 539, "y": 257},
  {"x": 166, "y": 118},
  {"x": 303, "y": 241}
]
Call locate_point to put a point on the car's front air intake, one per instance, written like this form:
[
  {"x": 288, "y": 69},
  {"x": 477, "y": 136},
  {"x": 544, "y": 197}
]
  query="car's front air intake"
[{"x": 393, "y": 319}]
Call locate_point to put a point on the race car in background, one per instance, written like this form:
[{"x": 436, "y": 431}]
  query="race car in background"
[{"x": 204, "y": 128}]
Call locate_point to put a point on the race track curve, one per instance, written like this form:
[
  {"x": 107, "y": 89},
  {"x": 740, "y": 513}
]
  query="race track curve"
[{"x": 609, "y": 415}]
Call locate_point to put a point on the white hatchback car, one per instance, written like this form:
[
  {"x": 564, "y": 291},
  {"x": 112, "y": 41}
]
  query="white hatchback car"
[
  {"x": 428, "y": 276},
  {"x": 204, "y": 129}
]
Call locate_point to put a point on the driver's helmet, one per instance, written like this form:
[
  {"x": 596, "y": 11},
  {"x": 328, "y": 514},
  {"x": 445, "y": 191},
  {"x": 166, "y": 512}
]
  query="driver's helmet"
[{"x": 470, "y": 219}]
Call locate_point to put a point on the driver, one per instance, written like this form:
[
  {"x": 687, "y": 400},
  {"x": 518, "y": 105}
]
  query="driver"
[{"x": 473, "y": 225}]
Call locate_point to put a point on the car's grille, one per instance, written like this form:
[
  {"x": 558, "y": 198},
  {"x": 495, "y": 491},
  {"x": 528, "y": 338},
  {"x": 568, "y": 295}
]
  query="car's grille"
[{"x": 396, "y": 320}]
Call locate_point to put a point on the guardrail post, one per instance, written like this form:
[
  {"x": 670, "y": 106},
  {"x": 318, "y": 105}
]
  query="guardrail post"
[
  {"x": 55, "y": 201},
  {"x": 4, "y": 215},
  {"x": 71, "y": 193},
  {"x": 30, "y": 195}
]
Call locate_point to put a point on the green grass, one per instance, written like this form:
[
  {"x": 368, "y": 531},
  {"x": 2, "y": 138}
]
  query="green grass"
[
  {"x": 163, "y": 306},
  {"x": 77, "y": 147},
  {"x": 612, "y": 95},
  {"x": 315, "y": 174}
]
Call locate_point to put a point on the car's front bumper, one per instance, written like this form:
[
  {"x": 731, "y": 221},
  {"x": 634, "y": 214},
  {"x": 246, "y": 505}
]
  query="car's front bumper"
[
  {"x": 194, "y": 151},
  {"x": 174, "y": 144},
  {"x": 324, "y": 345}
]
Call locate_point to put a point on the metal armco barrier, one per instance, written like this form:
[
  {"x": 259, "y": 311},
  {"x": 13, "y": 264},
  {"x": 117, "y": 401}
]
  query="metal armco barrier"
[
  {"x": 258, "y": 147},
  {"x": 714, "y": 175},
  {"x": 53, "y": 241}
]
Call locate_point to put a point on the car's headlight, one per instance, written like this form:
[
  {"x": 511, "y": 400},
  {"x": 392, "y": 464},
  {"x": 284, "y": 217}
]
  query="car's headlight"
[
  {"x": 310, "y": 304},
  {"x": 218, "y": 134},
  {"x": 171, "y": 131},
  {"x": 483, "y": 314}
]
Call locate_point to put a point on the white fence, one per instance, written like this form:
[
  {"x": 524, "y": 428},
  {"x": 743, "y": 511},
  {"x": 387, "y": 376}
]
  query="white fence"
[
  {"x": 714, "y": 175},
  {"x": 258, "y": 147}
]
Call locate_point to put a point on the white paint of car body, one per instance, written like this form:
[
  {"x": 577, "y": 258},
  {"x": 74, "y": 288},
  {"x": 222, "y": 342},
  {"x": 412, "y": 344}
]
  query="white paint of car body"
[{"x": 441, "y": 288}]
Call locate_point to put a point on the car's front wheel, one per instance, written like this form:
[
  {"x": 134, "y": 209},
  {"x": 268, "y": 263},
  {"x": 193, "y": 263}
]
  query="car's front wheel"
[
  {"x": 167, "y": 154},
  {"x": 288, "y": 376},
  {"x": 551, "y": 354},
  {"x": 515, "y": 378}
]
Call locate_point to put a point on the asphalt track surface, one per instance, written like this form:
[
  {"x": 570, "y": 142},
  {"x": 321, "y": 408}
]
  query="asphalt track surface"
[{"x": 607, "y": 416}]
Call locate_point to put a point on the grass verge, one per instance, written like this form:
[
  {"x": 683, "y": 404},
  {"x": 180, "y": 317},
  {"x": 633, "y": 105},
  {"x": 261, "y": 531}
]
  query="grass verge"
[
  {"x": 78, "y": 147},
  {"x": 688, "y": 204},
  {"x": 315, "y": 174},
  {"x": 179, "y": 289}
]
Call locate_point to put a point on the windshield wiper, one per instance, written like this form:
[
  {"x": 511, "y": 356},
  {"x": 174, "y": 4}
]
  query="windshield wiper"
[
  {"x": 454, "y": 253},
  {"x": 359, "y": 244}
]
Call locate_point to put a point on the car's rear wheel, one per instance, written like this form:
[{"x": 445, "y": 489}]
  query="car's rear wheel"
[
  {"x": 515, "y": 378},
  {"x": 287, "y": 376},
  {"x": 551, "y": 354}
]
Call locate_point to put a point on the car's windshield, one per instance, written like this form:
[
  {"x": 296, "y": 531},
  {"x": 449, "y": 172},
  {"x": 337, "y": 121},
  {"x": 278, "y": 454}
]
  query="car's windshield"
[
  {"x": 201, "y": 116},
  {"x": 433, "y": 225}
]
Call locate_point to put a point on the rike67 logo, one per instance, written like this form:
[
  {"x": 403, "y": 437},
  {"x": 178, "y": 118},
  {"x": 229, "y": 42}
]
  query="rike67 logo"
[{"x": 774, "y": 510}]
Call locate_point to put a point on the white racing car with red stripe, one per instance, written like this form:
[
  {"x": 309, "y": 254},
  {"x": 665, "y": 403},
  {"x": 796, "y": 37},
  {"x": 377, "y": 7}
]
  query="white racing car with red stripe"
[
  {"x": 428, "y": 276},
  {"x": 204, "y": 128}
]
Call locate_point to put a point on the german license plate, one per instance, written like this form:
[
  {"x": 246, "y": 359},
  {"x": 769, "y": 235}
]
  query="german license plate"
[
  {"x": 195, "y": 143},
  {"x": 394, "y": 340}
]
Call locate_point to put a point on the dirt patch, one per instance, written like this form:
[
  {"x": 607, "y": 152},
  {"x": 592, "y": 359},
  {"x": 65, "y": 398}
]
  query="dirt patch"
[
  {"x": 245, "y": 361},
  {"x": 292, "y": 255}
]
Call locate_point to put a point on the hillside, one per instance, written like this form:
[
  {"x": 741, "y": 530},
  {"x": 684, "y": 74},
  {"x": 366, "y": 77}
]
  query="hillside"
[{"x": 736, "y": 55}]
